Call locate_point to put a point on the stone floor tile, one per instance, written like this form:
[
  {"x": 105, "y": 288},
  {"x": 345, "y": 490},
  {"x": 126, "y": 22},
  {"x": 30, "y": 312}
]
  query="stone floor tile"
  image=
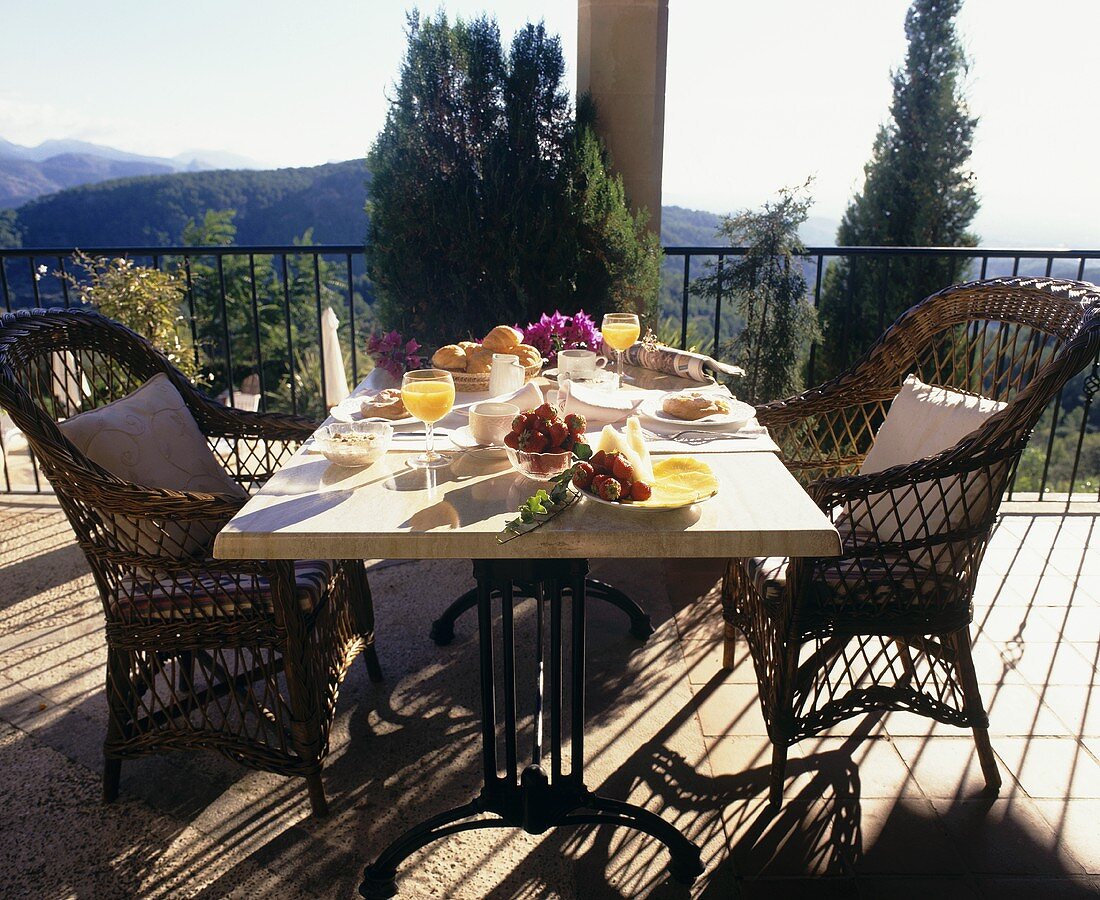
[
  {"x": 944, "y": 887},
  {"x": 1077, "y": 888},
  {"x": 1004, "y": 836},
  {"x": 1051, "y": 768},
  {"x": 947, "y": 767},
  {"x": 904, "y": 837},
  {"x": 730, "y": 709},
  {"x": 1078, "y": 707},
  {"x": 835, "y": 888},
  {"x": 1074, "y": 823},
  {"x": 1052, "y": 663},
  {"x": 802, "y": 838},
  {"x": 704, "y": 662}
]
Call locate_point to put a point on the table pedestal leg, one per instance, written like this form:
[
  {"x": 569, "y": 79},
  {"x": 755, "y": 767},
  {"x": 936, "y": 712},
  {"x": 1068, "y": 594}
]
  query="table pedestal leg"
[{"x": 541, "y": 796}]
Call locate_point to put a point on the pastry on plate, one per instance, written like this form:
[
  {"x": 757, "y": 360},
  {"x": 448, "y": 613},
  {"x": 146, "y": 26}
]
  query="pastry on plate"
[
  {"x": 502, "y": 339},
  {"x": 693, "y": 405},
  {"x": 451, "y": 357},
  {"x": 385, "y": 404}
]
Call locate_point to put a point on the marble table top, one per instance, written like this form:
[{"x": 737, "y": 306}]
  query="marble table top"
[{"x": 313, "y": 509}]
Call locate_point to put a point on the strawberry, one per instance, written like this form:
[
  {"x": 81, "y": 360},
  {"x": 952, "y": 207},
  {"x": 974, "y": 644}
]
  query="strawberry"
[
  {"x": 546, "y": 412},
  {"x": 641, "y": 491},
  {"x": 599, "y": 461},
  {"x": 609, "y": 461},
  {"x": 511, "y": 440},
  {"x": 622, "y": 468},
  {"x": 609, "y": 489},
  {"x": 624, "y": 487},
  {"x": 533, "y": 442},
  {"x": 558, "y": 433},
  {"x": 583, "y": 475},
  {"x": 520, "y": 422},
  {"x": 575, "y": 423}
]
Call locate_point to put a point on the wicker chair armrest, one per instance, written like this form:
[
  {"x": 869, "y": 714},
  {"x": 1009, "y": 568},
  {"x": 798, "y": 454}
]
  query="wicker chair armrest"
[
  {"x": 843, "y": 393},
  {"x": 113, "y": 496}
]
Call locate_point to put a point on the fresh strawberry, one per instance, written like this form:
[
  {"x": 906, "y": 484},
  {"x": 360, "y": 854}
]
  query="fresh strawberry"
[
  {"x": 576, "y": 423},
  {"x": 609, "y": 489},
  {"x": 533, "y": 442},
  {"x": 599, "y": 461},
  {"x": 641, "y": 491},
  {"x": 597, "y": 480},
  {"x": 622, "y": 468},
  {"x": 520, "y": 422},
  {"x": 609, "y": 461},
  {"x": 546, "y": 412},
  {"x": 558, "y": 433},
  {"x": 511, "y": 440},
  {"x": 583, "y": 475}
]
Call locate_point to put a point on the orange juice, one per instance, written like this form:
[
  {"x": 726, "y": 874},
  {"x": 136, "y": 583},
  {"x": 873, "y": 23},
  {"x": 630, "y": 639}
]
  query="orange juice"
[
  {"x": 620, "y": 335},
  {"x": 428, "y": 401}
]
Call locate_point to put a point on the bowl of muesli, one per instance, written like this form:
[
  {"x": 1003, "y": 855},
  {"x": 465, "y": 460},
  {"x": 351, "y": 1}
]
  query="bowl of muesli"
[{"x": 354, "y": 445}]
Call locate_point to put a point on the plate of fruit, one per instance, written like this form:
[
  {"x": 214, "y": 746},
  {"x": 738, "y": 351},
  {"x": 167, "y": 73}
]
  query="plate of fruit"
[
  {"x": 621, "y": 474},
  {"x": 541, "y": 442}
]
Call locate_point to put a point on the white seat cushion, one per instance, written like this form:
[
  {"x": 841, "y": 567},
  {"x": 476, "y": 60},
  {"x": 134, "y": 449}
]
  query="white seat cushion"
[{"x": 924, "y": 420}]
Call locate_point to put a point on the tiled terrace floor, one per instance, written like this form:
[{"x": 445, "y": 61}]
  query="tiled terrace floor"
[{"x": 899, "y": 814}]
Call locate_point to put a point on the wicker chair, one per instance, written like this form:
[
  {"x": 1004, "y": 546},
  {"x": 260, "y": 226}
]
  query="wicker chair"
[
  {"x": 885, "y": 625},
  {"x": 244, "y": 657}
]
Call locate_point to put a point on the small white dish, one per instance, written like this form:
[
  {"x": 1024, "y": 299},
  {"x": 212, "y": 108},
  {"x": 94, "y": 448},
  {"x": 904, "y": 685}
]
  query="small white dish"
[
  {"x": 740, "y": 414},
  {"x": 464, "y": 440},
  {"x": 354, "y": 445},
  {"x": 351, "y": 410}
]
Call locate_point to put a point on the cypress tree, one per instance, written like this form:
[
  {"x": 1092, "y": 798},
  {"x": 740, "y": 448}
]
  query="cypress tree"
[{"x": 918, "y": 191}]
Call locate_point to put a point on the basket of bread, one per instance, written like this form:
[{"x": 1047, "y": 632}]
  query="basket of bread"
[{"x": 469, "y": 362}]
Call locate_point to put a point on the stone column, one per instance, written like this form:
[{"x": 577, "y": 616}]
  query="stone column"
[{"x": 621, "y": 50}]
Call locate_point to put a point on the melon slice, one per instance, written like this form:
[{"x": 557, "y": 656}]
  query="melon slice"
[{"x": 680, "y": 481}]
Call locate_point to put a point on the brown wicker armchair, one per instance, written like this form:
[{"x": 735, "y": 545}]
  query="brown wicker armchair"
[
  {"x": 241, "y": 657},
  {"x": 884, "y": 626}
]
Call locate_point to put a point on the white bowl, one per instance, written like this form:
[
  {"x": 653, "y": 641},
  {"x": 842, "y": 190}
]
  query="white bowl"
[{"x": 354, "y": 444}]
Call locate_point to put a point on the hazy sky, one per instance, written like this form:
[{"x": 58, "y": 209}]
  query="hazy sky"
[{"x": 760, "y": 93}]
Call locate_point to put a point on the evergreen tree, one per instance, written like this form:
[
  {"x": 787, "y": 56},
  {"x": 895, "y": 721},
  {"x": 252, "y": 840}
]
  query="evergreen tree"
[
  {"x": 767, "y": 284},
  {"x": 487, "y": 203},
  {"x": 917, "y": 192}
]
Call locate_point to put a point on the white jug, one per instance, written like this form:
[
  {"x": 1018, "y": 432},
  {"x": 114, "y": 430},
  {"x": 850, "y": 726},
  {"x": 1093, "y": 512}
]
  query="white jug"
[{"x": 506, "y": 375}]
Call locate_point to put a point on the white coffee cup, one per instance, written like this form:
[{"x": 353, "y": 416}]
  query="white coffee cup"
[
  {"x": 490, "y": 422},
  {"x": 579, "y": 364}
]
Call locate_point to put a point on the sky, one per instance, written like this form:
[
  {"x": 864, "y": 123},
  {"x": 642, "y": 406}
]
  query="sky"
[{"x": 760, "y": 93}]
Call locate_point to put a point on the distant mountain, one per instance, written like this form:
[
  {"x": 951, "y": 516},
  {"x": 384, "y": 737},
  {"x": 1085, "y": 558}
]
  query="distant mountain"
[
  {"x": 273, "y": 207},
  {"x": 682, "y": 227},
  {"x": 29, "y": 172}
]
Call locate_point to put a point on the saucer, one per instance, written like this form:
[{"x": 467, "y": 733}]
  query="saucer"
[{"x": 464, "y": 440}]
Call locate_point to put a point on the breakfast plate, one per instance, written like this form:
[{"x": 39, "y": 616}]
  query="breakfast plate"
[
  {"x": 740, "y": 414},
  {"x": 646, "y": 505},
  {"x": 350, "y": 410}
]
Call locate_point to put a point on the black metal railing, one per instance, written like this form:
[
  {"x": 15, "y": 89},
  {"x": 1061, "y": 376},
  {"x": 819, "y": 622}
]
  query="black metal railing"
[{"x": 258, "y": 310}]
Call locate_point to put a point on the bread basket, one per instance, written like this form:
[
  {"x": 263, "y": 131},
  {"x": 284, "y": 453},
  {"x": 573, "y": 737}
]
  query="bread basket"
[{"x": 468, "y": 383}]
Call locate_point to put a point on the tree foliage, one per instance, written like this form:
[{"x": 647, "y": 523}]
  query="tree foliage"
[
  {"x": 489, "y": 203},
  {"x": 768, "y": 287},
  {"x": 917, "y": 192}
]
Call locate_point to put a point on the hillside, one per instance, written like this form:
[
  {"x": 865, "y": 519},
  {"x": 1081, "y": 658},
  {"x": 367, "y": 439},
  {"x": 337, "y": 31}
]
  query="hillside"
[{"x": 273, "y": 207}]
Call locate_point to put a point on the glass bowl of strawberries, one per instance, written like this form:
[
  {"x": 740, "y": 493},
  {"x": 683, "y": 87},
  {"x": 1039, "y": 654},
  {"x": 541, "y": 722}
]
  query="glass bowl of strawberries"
[{"x": 541, "y": 442}]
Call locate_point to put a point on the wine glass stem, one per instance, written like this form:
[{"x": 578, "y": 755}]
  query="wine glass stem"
[
  {"x": 619, "y": 365},
  {"x": 429, "y": 440}
]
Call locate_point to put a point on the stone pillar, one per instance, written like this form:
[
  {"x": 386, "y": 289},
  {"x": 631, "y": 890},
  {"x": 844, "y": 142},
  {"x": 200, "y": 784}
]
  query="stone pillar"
[{"x": 621, "y": 50}]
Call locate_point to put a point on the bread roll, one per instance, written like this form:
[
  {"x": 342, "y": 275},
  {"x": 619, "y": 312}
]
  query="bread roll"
[
  {"x": 693, "y": 405},
  {"x": 385, "y": 404},
  {"x": 468, "y": 345},
  {"x": 479, "y": 360},
  {"x": 451, "y": 357},
  {"x": 528, "y": 355},
  {"x": 502, "y": 339}
]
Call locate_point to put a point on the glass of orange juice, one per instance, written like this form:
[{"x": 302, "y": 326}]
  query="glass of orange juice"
[
  {"x": 428, "y": 395},
  {"x": 620, "y": 331}
]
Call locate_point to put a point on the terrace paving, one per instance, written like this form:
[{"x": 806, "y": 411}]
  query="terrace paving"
[{"x": 890, "y": 806}]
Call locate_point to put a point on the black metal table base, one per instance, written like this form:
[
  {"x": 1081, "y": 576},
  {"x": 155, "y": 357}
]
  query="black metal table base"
[
  {"x": 542, "y": 796},
  {"x": 641, "y": 626}
]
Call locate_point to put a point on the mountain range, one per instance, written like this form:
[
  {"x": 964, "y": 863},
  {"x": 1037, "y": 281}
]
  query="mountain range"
[{"x": 29, "y": 172}]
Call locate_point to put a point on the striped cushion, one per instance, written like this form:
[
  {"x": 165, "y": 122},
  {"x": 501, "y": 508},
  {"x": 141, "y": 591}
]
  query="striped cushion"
[{"x": 210, "y": 595}]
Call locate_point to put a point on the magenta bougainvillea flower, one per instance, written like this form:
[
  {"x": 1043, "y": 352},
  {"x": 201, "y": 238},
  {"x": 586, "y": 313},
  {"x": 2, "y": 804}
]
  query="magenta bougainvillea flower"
[
  {"x": 393, "y": 354},
  {"x": 560, "y": 332}
]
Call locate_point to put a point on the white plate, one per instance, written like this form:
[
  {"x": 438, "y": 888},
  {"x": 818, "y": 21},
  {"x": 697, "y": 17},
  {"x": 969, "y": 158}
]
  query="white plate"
[
  {"x": 740, "y": 413},
  {"x": 351, "y": 410},
  {"x": 641, "y": 507},
  {"x": 464, "y": 440}
]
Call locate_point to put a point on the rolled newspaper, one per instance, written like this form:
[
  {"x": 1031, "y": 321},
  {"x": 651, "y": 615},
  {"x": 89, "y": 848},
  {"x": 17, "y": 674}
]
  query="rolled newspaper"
[{"x": 696, "y": 366}]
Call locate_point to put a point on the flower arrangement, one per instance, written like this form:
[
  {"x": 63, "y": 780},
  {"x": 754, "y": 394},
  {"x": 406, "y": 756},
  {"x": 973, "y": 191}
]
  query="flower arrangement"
[
  {"x": 551, "y": 334},
  {"x": 393, "y": 354}
]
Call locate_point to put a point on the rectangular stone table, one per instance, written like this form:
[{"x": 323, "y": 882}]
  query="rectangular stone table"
[{"x": 311, "y": 509}]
